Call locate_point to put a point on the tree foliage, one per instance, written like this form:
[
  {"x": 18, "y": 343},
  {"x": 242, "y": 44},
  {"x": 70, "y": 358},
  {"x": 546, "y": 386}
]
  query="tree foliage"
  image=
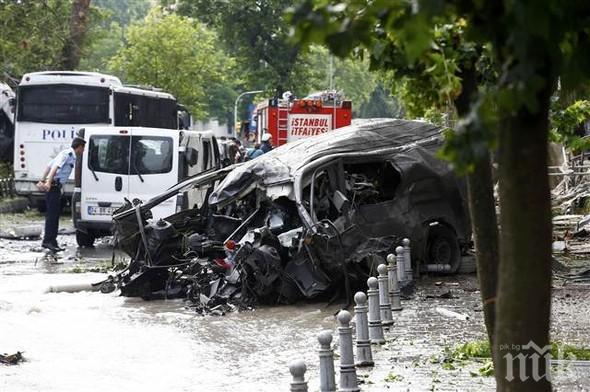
[
  {"x": 424, "y": 56},
  {"x": 256, "y": 34},
  {"x": 123, "y": 12},
  {"x": 106, "y": 35},
  {"x": 33, "y": 35},
  {"x": 568, "y": 125},
  {"x": 381, "y": 104},
  {"x": 533, "y": 43},
  {"x": 350, "y": 76},
  {"x": 180, "y": 56}
]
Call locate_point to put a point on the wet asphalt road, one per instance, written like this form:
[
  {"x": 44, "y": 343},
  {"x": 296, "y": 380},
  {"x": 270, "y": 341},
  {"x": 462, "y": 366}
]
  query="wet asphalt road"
[{"x": 91, "y": 341}]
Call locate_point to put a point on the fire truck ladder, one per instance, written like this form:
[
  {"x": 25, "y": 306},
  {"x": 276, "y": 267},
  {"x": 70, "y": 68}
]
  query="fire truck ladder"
[{"x": 282, "y": 124}]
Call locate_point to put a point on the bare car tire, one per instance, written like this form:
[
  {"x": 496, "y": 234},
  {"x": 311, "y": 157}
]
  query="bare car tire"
[
  {"x": 84, "y": 239},
  {"x": 443, "y": 247}
]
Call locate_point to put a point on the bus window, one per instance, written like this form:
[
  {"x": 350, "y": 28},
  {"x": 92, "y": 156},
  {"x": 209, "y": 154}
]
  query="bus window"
[
  {"x": 143, "y": 111},
  {"x": 126, "y": 110},
  {"x": 63, "y": 104},
  {"x": 168, "y": 117}
]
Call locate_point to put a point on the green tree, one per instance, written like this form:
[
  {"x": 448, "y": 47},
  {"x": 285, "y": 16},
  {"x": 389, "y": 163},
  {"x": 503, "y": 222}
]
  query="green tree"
[
  {"x": 104, "y": 41},
  {"x": 33, "y": 35},
  {"x": 79, "y": 20},
  {"x": 432, "y": 83},
  {"x": 380, "y": 104},
  {"x": 123, "y": 12},
  {"x": 256, "y": 34},
  {"x": 180, "y": 56},
  {"x": 352, "y": 77},
  {"x": 567, "y": 124},
  {"x": 107, "y": 30},
  {"x": 534, "y": 43}
]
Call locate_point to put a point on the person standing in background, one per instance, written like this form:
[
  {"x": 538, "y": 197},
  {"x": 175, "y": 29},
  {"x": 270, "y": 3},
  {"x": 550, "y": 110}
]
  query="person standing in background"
[{"x": 266, "y": 144}]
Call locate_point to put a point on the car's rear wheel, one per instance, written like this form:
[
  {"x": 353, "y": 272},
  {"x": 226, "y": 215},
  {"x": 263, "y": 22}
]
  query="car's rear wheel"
[
  {"x": 443, "y": 249},
  {"x": 85, "y": 239}
]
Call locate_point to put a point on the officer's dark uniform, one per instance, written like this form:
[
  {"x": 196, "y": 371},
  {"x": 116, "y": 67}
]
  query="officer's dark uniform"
[{"x": 65, "y": 162}]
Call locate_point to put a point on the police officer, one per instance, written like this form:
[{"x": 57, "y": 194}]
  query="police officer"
[{"x": 56, "y": 174}]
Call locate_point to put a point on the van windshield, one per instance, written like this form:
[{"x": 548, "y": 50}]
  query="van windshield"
[
  {"x": 149, "y": 154},
  {"x": 63, "y": 104}
]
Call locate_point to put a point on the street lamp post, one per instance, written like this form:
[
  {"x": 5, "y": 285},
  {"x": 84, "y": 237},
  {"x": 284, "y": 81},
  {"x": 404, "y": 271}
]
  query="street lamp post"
[{"x": 236, "y": 105}]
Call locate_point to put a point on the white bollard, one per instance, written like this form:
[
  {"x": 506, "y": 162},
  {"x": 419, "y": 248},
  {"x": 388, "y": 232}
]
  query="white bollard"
[
  {"x": 384, "y": 304},
  {"x": 375, "y": 327},
  {"x": 364, "y": 355},
  {"x": 401, "y": 269},
  {"x": 394, "y": 294},
  {"x": 348, "y": 381},
  {"x": 297, "y": 369},
  {"x": 327, "y": 374},
  {"x": 407, "y": 259}
]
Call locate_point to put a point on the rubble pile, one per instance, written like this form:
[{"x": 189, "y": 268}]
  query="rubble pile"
[{"x": 571, "y": 227}]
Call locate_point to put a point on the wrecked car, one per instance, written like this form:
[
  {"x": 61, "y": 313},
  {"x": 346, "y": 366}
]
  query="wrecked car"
[{"x": 311, "y": 219}]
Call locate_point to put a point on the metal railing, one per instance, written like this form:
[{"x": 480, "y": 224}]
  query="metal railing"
[{"x": 7, "y": 188}]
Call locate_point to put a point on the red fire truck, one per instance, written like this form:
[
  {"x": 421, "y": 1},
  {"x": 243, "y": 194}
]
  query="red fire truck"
[{"x": 289, "y": 119}]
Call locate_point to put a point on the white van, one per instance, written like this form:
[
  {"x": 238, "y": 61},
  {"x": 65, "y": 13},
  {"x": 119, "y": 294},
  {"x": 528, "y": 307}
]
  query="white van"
[{"x": 134, "y": 163}]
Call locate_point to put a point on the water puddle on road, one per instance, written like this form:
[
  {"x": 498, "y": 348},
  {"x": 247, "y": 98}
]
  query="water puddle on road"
[
  {"x": 86, "y": 341},
  {"x": 90, "y": 341}
]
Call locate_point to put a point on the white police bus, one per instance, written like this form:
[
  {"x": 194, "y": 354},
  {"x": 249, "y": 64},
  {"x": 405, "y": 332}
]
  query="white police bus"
[{"x": 52, "y": 106}]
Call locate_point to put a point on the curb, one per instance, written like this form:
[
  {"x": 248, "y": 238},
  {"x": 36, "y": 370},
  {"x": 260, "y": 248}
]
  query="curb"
[{"x": 17, "y": 204}]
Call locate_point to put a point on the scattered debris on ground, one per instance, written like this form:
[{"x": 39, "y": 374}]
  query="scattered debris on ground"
[
  {"x": 571, "y": 224},
  {"x": 480, "y": 352},
  {"x": 22, "y": 232},
  {"x": 12, "y": 359}
]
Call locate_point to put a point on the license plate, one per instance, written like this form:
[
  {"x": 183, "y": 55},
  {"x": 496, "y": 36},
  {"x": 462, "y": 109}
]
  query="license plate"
[{"x": 101, "y": 210}]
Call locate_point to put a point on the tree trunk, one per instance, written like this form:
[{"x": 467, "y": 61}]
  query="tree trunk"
[
  {"x": 482, "y": 209},
  {"x": 524, "y": 292},
  {"x": 72, "y": 50}
]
